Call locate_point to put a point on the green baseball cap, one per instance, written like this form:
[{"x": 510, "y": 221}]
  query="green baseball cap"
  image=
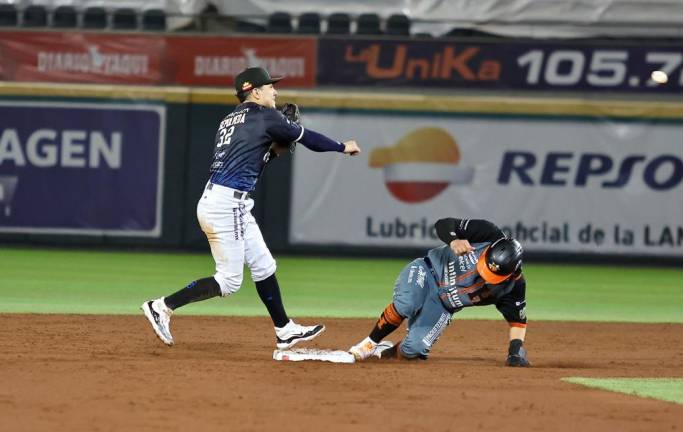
[{"x": 253, "y": 77}]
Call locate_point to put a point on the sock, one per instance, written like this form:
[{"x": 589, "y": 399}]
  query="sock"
[
  {"x": 198, "y": 290},
  {"x": 389, "y": 321},
  {"x": 515, "y": 345},
  {"x": 269, "y": 291}
]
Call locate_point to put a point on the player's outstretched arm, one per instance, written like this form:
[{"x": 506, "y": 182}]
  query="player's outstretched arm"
[
  {"x": 284, "y": 128},
  {"x": 351, "y": 148},
  {"x": 320, "y": 143}
]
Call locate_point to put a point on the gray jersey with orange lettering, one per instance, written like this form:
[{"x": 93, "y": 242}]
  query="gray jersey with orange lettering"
[
  {"x": 419, "y": 285},
  {"x": 460, "y": 272}
]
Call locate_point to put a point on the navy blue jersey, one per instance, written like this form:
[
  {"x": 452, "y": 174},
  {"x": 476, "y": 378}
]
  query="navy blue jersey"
[{"x": 243, "y": 141}]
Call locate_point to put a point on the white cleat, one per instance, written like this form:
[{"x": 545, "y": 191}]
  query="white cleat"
[
  {"x": 367, "y": 348},
  {"x": 159, "y": 316},
  {"x": 293, "y": 333}
]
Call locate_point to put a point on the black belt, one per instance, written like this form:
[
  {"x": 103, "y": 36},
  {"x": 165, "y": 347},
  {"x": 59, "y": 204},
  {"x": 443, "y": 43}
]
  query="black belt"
[
  {"x": 237, "y": 194},
  {"x": 240, "y": 195}
]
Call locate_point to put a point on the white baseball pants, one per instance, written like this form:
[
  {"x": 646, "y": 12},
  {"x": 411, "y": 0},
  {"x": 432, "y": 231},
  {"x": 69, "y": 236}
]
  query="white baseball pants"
[{"x": 234, "y": 237}]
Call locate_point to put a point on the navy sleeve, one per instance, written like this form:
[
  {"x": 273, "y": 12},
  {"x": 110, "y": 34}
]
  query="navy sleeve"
[
  {"x": 473, "y": 230},
  {"x": 281, "y": 129},
  {"x": 320, "y": 143},
  {"x": 513, "y": 305}
]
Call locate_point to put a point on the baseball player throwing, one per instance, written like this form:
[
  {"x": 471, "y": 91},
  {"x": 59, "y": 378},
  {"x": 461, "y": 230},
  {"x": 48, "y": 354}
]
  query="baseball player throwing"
[
  {"x": 477, "y": 266},
  {"x": 246, "y": 140}
]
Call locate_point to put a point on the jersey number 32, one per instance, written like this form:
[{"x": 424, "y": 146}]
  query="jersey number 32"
[{"x": 225, "y": 135}]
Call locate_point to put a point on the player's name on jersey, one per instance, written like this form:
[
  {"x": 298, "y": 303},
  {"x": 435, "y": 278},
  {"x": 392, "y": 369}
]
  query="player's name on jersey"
[
  {"x": 234, "y": 118},
  {"x": 45, "y": 148}
]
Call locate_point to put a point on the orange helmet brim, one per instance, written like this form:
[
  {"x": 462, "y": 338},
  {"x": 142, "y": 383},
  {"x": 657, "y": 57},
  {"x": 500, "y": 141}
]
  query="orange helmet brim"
[{"x": 486, "y": 273}]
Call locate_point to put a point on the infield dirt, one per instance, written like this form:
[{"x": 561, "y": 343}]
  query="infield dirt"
[{"x": 110, "y": 373}]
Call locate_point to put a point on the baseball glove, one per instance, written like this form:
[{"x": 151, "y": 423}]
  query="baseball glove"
[
  {"x": 517, "y": 355},
  {"x": 291, "y": 112}
]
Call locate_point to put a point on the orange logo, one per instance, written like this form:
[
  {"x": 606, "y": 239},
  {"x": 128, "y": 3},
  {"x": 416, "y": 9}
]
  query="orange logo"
[
  {"x": 440, "y": 65},
  {"x": 421, "y": 165},
  {"x": 246, "y": 86}
]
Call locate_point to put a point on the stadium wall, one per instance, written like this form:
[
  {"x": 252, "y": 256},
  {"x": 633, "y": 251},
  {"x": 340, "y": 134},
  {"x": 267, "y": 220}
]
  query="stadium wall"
[{"x": 190, "y": 116}]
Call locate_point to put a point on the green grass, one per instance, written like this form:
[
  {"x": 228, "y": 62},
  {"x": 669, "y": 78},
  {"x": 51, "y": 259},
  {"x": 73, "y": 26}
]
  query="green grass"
[
  {"x": 667, "y": 389},
  {"x": 71, "y": 281}
]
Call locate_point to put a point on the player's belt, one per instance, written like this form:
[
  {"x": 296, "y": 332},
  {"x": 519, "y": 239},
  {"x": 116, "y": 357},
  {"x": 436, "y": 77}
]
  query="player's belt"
[
  {"x": 235, "y": 193},
  {"x": 240, "y": 195}
]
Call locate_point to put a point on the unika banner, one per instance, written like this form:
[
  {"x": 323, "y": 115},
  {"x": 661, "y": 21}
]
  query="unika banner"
[
  {"x": 76, "y": 168},
  {"x": 556, "y": 184},
  {"x": 505, "y": 64}
]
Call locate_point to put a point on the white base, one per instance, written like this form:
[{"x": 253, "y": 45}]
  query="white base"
[{"x": 302, "y": 354}]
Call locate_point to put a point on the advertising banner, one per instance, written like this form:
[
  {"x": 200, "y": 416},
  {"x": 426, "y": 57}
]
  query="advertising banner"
[
  {"x": 76, "y": 168},
  {"x": 82, "y": 57},
  {"x": 153, "y": 59},
  {"x": 515, "y": 65},
  {"x": 215, "y": 61},
  {"x": 556, "y": 184}
]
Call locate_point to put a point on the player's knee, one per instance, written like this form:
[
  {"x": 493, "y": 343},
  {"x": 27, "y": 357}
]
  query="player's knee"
[
  {"x": 412, "y": 349},
  {"x": 263, "y": 270},
  {"x": 229, "y": 284}
]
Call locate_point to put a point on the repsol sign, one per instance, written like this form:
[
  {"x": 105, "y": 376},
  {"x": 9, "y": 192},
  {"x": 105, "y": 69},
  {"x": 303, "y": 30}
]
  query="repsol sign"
[{"x": 659, "y": 172}]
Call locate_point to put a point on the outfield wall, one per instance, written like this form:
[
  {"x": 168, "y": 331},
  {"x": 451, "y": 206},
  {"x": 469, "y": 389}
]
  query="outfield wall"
[{"x": 102, "y": 165}]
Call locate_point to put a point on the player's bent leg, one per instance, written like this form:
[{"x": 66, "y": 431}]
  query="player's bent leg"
[
  {"x": 408, "y": 298},
  {"x": 198, "y": 290},
  {"x": 228, "y": 283},
  {"x": 228, "y": 253},
  {"x": 268, "y": 290},
  {"x": 414, "y": 350},
  {"x": 226, "y": 239},
  {"x": 388, "y": 321},
  {"x": 263, "y": 266},
  {"x": 426, "y": 328},
  {"x": 409, "y": 290},
  {"x": 256, "y": 253}
]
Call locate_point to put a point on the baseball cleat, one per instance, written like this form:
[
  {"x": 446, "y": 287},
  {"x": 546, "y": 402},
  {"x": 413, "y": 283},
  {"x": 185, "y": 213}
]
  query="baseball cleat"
[
  {"x": 159, "y": 316},
  {"x": 367, "y": 348},
  {"x": 518, "y": 360},
  {"x": 293, "y": 333}
]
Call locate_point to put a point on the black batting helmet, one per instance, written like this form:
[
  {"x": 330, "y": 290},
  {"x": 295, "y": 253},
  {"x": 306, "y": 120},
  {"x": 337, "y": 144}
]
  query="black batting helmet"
[{"x": 500, "y": 260}]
